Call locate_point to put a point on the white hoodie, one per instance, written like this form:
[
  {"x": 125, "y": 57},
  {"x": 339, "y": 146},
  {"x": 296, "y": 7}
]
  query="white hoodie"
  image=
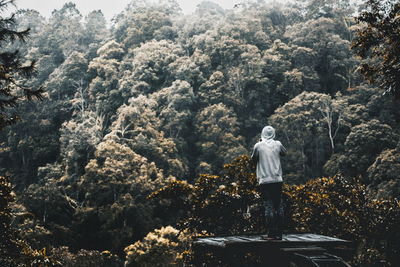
[{"x": 267, "y": 155}]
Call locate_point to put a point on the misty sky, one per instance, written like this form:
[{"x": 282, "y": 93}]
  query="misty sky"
[{"x": 109, "y": 7}]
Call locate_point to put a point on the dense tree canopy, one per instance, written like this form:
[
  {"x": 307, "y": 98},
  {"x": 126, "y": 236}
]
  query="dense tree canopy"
[
  {"x": 160, "y": 101},
  {"x": 377, "y": 42}
]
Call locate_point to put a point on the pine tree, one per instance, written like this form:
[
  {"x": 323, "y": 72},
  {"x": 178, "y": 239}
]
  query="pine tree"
[{"x": 13, "y": 69}]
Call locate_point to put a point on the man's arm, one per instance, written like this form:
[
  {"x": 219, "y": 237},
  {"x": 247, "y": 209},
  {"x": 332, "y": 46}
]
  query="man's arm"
[{"x": 254, "y": 155}]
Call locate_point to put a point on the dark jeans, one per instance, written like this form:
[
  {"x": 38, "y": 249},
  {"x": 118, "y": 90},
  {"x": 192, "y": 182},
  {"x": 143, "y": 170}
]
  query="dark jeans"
[{"x": 271, "y": 195}]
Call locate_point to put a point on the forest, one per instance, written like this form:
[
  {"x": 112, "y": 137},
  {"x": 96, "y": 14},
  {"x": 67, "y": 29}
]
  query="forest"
[{"x": 135, "y": 135}]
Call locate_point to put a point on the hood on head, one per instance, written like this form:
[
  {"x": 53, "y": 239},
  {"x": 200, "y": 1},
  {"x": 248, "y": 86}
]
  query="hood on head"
[{"x": 268, "y": 133}]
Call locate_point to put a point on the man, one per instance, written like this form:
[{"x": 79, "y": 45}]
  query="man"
[{"x": 266, "y": 154}]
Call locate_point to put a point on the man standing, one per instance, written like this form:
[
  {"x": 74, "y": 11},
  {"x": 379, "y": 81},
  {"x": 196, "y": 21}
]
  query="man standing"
[{"x": 266, "y": 155}]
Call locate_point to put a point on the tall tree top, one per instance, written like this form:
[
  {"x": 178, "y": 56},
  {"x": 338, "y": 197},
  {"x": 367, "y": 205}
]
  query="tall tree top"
[{"x": 13, "y": 69}]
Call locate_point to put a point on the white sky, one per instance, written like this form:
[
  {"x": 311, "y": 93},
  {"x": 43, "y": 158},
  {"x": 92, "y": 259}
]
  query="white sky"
[{"x": 108, "y": 7}]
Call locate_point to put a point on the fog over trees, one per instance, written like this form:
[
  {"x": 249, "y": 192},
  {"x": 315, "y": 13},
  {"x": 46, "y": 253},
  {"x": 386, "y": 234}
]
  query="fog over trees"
[{"x": 144, "y": 125}]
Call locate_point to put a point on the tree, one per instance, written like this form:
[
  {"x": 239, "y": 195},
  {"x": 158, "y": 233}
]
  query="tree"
[
  {"x": 104, "y": 95},
  {"x": 113, "y": 191},
  {"x": 32, "y": 20},
  {"x": 78, "y": 139},
  {"x": 309, "y": 124},
  {"x": 378, "y": 43},
  {"x": 53, "y": 210},
  {"x": 328, "y": 8},
  {"x": 361, "y": 105},
  {"x": 65, "y": 81},
  {"x": 147, "y": 66},
  {"x": 175, "y": 109},
  {"x": 237, "y": 71},
  {"x": 139, "y": 127},
  {"x": 218, "y": 142},
  {"x": 192, "y": 69},
  {"x": 95, "y": 28},
  {"x": 32, "y": 142},
  {"x": 383, "y": 174},
  {"x": 13, "y": 251},
  {"x": 335, "y": 62},
  {"x": 12, "y": 69},
  {"x": 161, "y": 247},
  {"x": 360, "y": 154},
  {"x": 208, "y": 7},
  {"x": 64, "y": 32},
  {"x": 143, "y": 21}
]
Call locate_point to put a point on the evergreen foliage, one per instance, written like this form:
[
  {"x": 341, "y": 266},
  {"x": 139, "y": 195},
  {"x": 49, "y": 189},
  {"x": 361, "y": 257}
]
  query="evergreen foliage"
[{"x": 12, "y": 68}]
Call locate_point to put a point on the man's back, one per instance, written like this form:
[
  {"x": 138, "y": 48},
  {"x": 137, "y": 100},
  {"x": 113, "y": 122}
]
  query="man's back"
[{"x": 267, "y": 154}]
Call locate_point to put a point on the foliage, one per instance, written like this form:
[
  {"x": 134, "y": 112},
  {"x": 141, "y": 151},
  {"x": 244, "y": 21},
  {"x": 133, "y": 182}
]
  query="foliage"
[
  {"x": 377, "y": 42},
  {"x": 103, "y": 209},
  {"x": 341, "y": 208},
  {"x": 310, "y": 123},
  {"x": 382, "y": 174},
  {"x": 245, "y": 63},
  {"x": 12, "y": 68},
  {"x": 230, "y": 194},
  {"x": 219, "y": 141},
  {"x": 13, "y": 250},
  {"x": 9, "y": 246},
  {"x": 358, "y": 157},
  {"x": 162, "y": 94},
  {"x": 143, "y": 21},
  {"x": 331, "y": 206},
  {"x": 333, "y": 61},
  {"x": 166, "y": 246},
  {"x": 85, "y": 258}
]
